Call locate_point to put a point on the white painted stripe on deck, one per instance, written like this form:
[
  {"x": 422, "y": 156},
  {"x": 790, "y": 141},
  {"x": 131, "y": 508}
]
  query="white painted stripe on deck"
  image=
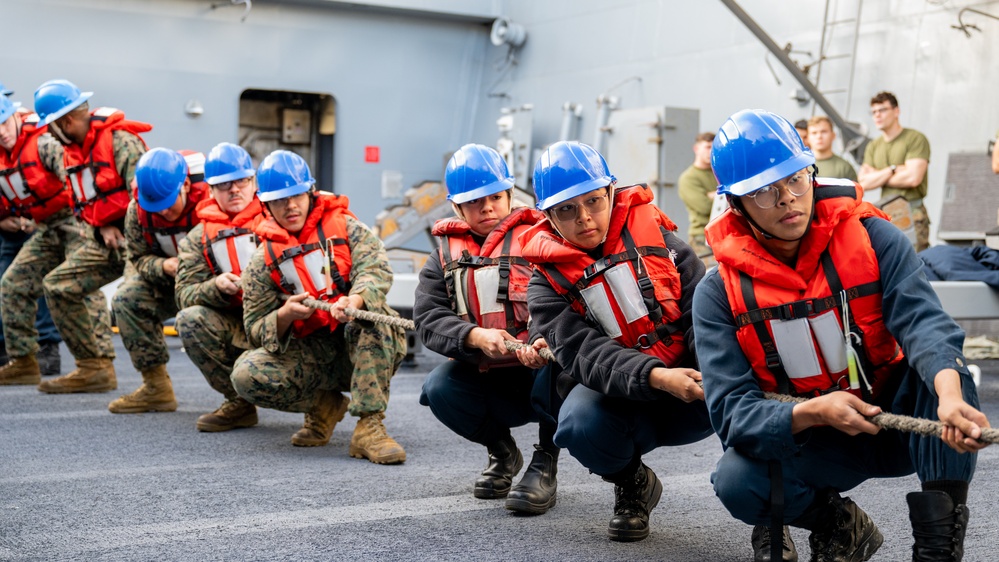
[
  {"x": 120, "y": 536},
  {"x": 114, "y": 474}
]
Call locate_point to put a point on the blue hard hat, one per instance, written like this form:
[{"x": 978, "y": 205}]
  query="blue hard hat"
[
  {"x": 56, "y": 98},
  {"x": 568, "y": 169},
  {"x": 228, "y": 162},
  {"x": 476, "y": 171},
  {"x": 160, "y": 175},
  {"x": 4, "y": 91},
  {"x": 283, "y": 174},
  {"x": 755, "y": 148},
  {"x": 7, "y": 108}
]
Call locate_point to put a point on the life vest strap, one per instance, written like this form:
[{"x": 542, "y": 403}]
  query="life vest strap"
[{"x": 806, "y": 307}]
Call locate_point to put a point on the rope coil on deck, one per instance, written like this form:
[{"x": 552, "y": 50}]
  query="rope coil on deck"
[{"x": 929, "y": 428}]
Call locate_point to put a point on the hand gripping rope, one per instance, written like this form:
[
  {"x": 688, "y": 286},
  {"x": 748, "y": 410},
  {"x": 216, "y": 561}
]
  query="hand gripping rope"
[{"x": 883, "y": 420}]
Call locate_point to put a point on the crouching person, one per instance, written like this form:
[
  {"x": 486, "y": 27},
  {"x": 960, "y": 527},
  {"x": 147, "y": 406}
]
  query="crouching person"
[
  {"x": 611, "y": 294},
  {"x": 169, "y": 188},
  {"x": 312, "y": 246},
  {"x": 818, "y": 295},
  {"x": 212, "y": 260},
  {"x": 472, "y": 298}
]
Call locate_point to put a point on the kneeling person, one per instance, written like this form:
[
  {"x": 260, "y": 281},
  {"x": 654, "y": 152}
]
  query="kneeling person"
[
  {"x": 169, "y": 188},
  {"x": 472, "y": 298},
  {"x": 312, "y": 246},
  {"x": 611, "y": 294},
  {"x": 817, "y": 295},
  {"x": 213, "y": 256}
]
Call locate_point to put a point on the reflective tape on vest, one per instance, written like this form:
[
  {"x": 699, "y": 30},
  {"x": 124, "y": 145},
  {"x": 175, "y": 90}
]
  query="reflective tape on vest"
[
  {"x": 244, "y": 244},
  {"x": 626, "y": 292},
  {"x": 168, "y": 243},
  {"x": 598, "y": 305},
  {"x": 796, "y": 344},
  {"x": 315, "y": 263},
  {"x": 82, "y": 183},
  {"x": 13, "y": 187},
  {"x": 487, "y": 289}
]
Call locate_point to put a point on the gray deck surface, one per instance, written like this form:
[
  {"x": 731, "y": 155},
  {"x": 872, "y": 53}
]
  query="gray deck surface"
[{"x": 78, "y": 483}]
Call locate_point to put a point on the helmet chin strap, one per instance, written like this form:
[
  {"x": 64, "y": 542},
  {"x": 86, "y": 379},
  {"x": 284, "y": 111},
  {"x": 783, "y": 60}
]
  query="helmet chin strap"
[{"x": 59, "y": 134}]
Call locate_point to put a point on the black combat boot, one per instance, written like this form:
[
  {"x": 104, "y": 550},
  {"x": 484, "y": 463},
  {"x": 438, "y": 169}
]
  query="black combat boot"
[
  {"x": 49, "y": 360},
  {"x": 761, "y": 545},
  {"x": 938, "y": 525},
  {"x": 841, "y": 531},
  {"x": 535, "y": 493},
  {"x": 505, "y": 461},
  {"x": 635, "y": 496}
]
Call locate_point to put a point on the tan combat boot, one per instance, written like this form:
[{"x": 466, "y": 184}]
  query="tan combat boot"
[
  {"x": 372, "y": 442},
  {"x": 319, "y": 422},
  {"x": 91, "y": 375},
  {"x": 21, "y": 370},
  {"x": 154, "y": 395},
  {"x": 230, "y": 415}
]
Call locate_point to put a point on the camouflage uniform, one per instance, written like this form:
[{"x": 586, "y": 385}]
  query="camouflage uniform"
[
  {"x": 284, "y": 373},
  {"x": 87, "y": 269},
  {"x": 55, "y": 238},
  {"x": 210, "y": 326},
  {"x": 144, "y": 299}
]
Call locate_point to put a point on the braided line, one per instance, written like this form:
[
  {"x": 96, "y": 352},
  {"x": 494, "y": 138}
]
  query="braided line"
[
  {"x": 929, "y": 428},
  {"x": 884, "y": 420}
]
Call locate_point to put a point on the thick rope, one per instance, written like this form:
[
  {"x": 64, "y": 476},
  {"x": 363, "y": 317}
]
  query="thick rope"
[
  {"x": 883, "y": 420},
  {"x": 908, "y": 424},
  {"x": 406, "y": 324}
]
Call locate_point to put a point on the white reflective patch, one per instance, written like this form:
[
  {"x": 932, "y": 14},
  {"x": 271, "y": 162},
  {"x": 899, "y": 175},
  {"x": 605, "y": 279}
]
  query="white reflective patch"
[
  {"x": 83, "y": 185},
  {"x": 13, "y": 187},
  {"x": 315, "y": 262},
  {"x": 487, "y": 289},
  {"x": 7, "y": 187},
  {"x": 599, "y": 307},
  {"x": 220, "y": 251},
  {"x": 245, "y": 245},
  {"x": 796, "y": 348},
  {"x": 460, "y": 300},
  {"x": 287, "y": 268},
  {"x": 168, "y": 244},
  {"x": 628, "y": 296},
  {"x": 830, "y": 337}
]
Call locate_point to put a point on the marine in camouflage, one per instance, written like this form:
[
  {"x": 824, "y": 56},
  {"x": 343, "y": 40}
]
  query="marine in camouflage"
[
  {"x": 210, "y": 327},
  {"x": 361, "y": 357}
]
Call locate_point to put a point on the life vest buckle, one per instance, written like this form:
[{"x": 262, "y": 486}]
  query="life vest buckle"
[{"x": 797, "y": 309}]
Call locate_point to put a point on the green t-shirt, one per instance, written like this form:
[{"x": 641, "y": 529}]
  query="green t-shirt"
[
  {"x": 909, "y": 144},
  {"x": 836, "y": 167},
  {"x": 694, "y": 186}
]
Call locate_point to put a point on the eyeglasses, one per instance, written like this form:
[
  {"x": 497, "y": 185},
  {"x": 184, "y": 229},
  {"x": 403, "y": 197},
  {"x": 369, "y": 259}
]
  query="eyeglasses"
[
  {"x": 570, "y": 211},
  {"x": 227, "y": 185},
  {"x": 283, "y": 202},
  {"x": 879, "y": 110},
  {"x": 767, "y": 196}
]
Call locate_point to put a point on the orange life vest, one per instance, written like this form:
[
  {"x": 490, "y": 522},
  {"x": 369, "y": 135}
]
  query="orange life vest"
[
  {"x": 632, "y": 293},
  {"x": 789, "y": 321},
  {"x": 164, "y": 236},
  {"x": 316, "y": 261},
  {"x": 228, "y": 242},
  {"x": 487, "y": 284},
  {"x": 31, "y": 189},
  {"x": 100, "y": 193}
]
